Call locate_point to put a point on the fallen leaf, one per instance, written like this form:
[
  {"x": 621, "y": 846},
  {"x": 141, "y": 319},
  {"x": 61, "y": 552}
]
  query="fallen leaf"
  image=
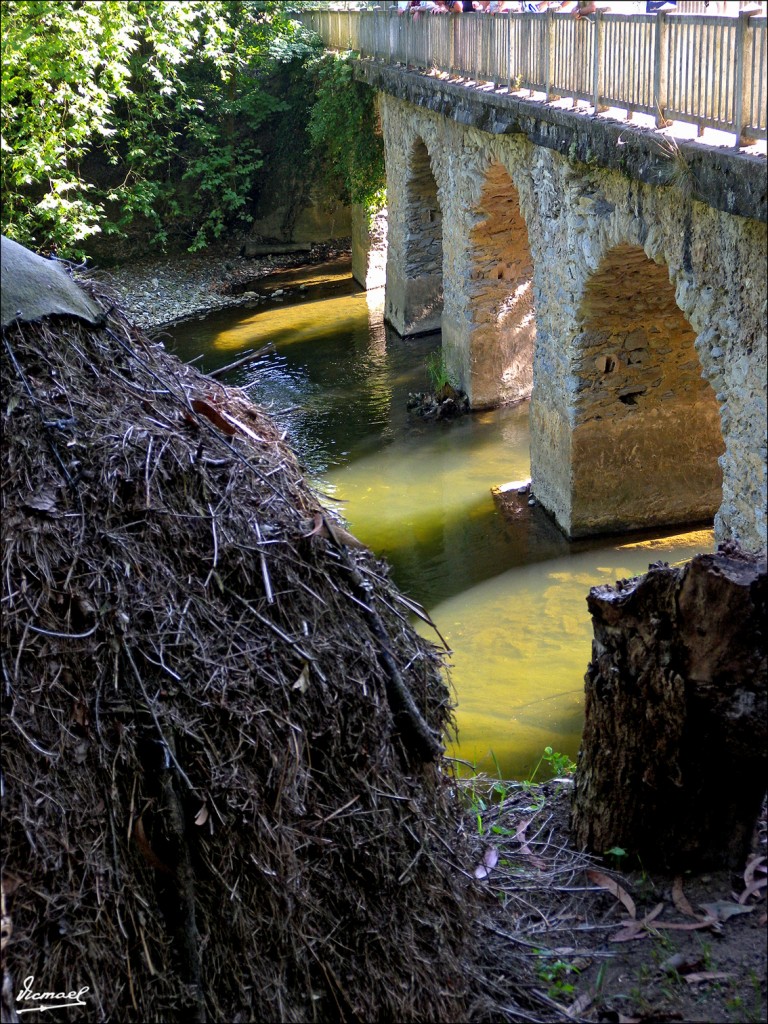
[
  {"x": 10, "y": 883},
  {"x": 694, "y": 979},
  {"x": 342, "y": 536},
  {"x": 44, "y": 501},
  {"x": 637, "y": 929},
  {"x": 525, "y": 849},
  {"x": 319, "y": 527},
  {"x": 755, "y": 863},
  {"x": 702, "y": 922},
  {"x": 140, "y": 838},
  {"x": 761, "y": 883},
  {"x": 302, "y": 682},
  {"x": 239, "y": 425},
  {"x": 488, "y": 863},
  {"x": 207, "y": 410},
  {"x": 202, "y": 815},
  {"x": 681, "y": 963},
  {"x": 605, "y": 882},
  {"x": 679, "y": 899},
  {"x": 578, "y": 1006},
  {"x": 721, "y": 910}
]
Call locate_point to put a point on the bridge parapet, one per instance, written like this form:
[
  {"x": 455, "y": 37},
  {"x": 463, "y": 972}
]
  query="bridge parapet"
[{"x": 697, "y": 68}]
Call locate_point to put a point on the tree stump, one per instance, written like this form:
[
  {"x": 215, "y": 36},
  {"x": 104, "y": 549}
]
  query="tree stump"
[{"x": 673, "y": 757}]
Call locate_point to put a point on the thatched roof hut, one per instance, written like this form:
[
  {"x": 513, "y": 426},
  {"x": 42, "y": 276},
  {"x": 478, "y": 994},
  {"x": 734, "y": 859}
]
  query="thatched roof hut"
[{"x": 223, "y": 790}]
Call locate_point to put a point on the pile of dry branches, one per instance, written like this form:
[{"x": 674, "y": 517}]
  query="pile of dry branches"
[{"x": 224, "y": 796}]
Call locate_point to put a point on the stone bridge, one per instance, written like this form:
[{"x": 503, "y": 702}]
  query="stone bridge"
[{"x": 614, "y": 276}]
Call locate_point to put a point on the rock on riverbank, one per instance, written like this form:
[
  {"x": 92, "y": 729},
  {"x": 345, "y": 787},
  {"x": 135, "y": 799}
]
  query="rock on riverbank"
[{"x": 162, "y": 290}]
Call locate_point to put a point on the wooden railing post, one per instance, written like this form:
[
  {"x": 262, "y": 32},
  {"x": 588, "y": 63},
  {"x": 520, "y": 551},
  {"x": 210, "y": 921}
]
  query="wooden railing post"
[
  {"x": 509, "y": 51},
  {"x": 549, "y": 53},
  {"x": 742, "y": 89},
  {"x": 452, "y": 45},
  {"x": 660, "y": 66},
  {"x": 598, "y": 76}
]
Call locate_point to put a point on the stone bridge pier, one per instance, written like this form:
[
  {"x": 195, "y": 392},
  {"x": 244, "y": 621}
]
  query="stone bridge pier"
[
  {"x": 633, "y": 314},
  {"x": 458, "y": 257}
]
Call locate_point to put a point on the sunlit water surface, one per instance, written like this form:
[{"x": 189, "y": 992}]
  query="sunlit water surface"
[{"x": 509, "y": 599}]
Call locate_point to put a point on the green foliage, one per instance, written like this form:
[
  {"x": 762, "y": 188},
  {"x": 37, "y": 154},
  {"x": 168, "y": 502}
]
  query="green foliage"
[
  {"x": 558, "y": 975},
  {"x": 124, "y": 110},
  {"x": 560, "y": 765},
  {"x": 438, "y": 371},
  {"x": 346, "y": 135}
]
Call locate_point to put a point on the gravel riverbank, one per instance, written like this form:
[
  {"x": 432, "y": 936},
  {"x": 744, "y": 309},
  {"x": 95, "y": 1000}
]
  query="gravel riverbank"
[{"x": 162, "y": 290}]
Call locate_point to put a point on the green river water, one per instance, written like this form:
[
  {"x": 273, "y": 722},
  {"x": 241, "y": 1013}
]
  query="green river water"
[{"x": 509, "y": 600}]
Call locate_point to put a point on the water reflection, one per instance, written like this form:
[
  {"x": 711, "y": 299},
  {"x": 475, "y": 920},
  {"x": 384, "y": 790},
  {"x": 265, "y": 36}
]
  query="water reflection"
[{"x": 509, "y": 598}]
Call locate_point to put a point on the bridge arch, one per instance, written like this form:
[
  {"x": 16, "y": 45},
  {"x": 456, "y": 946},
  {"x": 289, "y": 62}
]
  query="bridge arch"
[
  {"x": 646, "y": 436},
  {"x": 585, "y": 221},
  {"x": 490, "y": 349},
  {"x": 414, "y": 294}
]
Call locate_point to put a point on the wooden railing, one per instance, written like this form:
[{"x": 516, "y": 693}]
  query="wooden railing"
[{"x": 705, "y": 70}]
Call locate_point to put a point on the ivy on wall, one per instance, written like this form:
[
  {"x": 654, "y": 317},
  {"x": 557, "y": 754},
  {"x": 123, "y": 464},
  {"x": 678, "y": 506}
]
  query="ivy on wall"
[{"x": 346, "y": 134}]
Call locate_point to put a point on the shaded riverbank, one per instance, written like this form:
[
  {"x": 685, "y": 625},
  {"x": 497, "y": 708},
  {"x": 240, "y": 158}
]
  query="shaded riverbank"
[{"x": 163, "y": 290}]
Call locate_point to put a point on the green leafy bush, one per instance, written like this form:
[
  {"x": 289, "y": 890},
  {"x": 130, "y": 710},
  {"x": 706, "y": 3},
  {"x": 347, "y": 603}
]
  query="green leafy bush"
[
  {"x": 121, "y": 111},
  {"x": 346, "y": 135}
]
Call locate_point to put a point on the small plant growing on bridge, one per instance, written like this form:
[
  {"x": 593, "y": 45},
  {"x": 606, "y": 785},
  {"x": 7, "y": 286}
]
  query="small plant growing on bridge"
[
  {"x": 680, "y": 172},
  {"x": 438, "y": 371}
]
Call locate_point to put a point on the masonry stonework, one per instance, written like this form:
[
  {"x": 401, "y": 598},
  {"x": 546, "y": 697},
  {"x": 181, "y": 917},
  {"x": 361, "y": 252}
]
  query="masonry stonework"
[{"x": 635, "y": 314}]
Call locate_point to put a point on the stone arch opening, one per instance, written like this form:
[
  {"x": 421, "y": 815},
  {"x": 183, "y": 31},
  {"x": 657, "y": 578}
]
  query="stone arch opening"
[
  {"x": 414, "y": 302},
  {"x": 502, "y": 325},
  {"x": 646, "y": 433}
]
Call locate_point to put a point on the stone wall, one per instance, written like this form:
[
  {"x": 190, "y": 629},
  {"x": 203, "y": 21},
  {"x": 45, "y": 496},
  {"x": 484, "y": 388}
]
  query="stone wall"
[
  {"x": 649, "y": 359},
  {"x": 369, "y": 247}
]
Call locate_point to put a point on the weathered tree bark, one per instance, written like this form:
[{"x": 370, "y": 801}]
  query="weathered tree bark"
[{"x": 673, "y": 757}]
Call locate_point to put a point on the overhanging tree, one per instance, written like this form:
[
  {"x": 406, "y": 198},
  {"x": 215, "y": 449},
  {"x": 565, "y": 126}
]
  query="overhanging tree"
[{"x": 114, "y": 111}]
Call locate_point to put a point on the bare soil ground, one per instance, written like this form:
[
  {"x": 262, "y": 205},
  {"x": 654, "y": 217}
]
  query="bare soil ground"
[{"x": 596, "y": 943}]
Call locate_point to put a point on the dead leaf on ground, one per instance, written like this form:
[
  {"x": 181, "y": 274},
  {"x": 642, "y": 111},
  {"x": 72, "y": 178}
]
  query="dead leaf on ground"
[
  {"x": 754, "y": 864},
  {"x": 580, "y": 1005},
  {"x": 681, "y": 963},
  {"x": 202, "y": 815},
  {"x": 606, "y": 882},
  {"x": 680, "y": 901},
  {"x": 753, "y": 890},
  {"x": 637, "y": 929},
  {"x": 721, "y": 910},
  {"x": 318, "y": 528},
  {"x": 525, "y": 849},
  {"x": 43, "y": 501},
  {"x": 302, "y": 682},
  {"x": 488, "y": 863},
  {"x": 695, "y": 979},
  {"x": 207, "y": 410}
]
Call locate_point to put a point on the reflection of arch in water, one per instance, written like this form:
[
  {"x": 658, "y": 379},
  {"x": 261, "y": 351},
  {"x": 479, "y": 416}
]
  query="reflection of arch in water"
[
  {"x": 646, "y": 434},
  {"x": 500, "y": 326}
]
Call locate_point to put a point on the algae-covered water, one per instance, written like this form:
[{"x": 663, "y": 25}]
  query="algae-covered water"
[{"x": 510, "y": 600}]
